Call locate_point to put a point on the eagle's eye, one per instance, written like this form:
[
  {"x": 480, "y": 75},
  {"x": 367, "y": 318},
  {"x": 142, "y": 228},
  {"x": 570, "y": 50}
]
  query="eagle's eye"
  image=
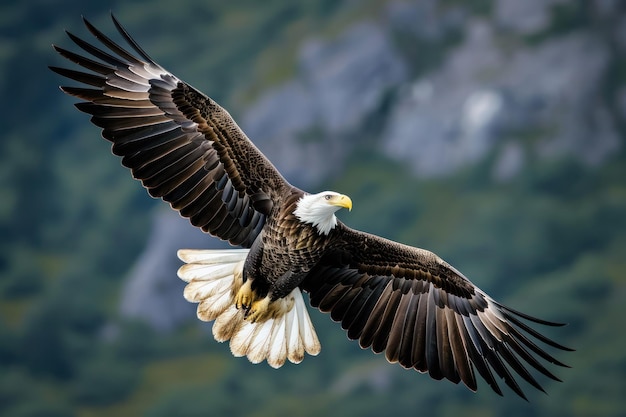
[{"x": 327, "y": 196}]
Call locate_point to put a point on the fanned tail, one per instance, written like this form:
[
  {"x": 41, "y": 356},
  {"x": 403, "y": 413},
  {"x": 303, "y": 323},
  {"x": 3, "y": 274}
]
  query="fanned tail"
[{"x": 214, "y": 277}]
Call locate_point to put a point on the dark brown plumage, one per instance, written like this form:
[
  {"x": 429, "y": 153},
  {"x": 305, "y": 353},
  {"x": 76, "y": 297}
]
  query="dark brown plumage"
[
  {"x": 423, "y": 313},
  {"x": 403, "y": 301},
  {"x": 179, "y": 143}
]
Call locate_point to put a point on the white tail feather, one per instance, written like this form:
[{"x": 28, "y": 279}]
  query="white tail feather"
[
  {"x": 260, "y": 345},
  {"x": 210, "y": 257},
  {"x": 214, "y": 277},
  {"x": 278, "y": 349},
  {"x": 225, "y": 325},
  {"x": 240, "y": 342},
  {"x": 293, "y": 339}
]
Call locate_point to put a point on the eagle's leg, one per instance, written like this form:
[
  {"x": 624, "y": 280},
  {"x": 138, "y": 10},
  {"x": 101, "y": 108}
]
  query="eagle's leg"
[
  {"x": 245, "y": 296},
  {"x": 256, "y": 309},
  {"x": 259, "y": 310},
  {"x": 266, "y": 308},
  {"x": 277, "y": 301}
]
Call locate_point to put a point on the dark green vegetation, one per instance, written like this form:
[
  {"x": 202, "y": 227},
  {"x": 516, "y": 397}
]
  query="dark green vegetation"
[{"x": 551, "y": 241}]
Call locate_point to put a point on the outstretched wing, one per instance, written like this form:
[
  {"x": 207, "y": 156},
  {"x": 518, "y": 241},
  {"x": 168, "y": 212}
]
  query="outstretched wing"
[
  {"x": 424, "y": 314},
  {"x": 178, "y": 142}
]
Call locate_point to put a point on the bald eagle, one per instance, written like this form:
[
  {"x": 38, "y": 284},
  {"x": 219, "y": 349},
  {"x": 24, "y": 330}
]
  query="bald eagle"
[{"x": 404, "y": 301}]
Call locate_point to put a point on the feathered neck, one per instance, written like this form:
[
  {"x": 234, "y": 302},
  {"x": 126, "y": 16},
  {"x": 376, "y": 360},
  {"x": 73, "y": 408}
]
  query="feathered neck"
[{"x": 312, "y": 209}]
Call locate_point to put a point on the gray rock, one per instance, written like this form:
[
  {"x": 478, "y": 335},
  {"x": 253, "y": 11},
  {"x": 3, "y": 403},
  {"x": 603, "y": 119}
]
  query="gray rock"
[
  {"x": 509, "y": 162},
  {"x": 447, "y": 118},
  {"x": 301, "y": 125},
  {"x": 153, "y": 293},
  {"x": 426, "y": 19},
  {"x": 559, "y": 83},
  {"x": 525, "y": 17},
  {"x": 348, "y": 76},
  {"x": 484, "y": 93}
]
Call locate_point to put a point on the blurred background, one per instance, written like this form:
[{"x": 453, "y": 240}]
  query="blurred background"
[{"x": 488, "y": 131}]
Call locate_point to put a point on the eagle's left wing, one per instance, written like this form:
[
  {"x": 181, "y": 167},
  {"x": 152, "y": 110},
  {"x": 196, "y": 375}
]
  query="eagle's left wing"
[{"x": 424, "y": 314}]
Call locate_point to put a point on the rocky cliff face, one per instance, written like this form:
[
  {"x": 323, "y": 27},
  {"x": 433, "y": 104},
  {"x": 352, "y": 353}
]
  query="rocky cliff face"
[
  {"x": 519, "y": 79},
  {"x": 515, "y": 73},
  {"x": 486, "y": 94},
  {"x": 302, "y": 124}
]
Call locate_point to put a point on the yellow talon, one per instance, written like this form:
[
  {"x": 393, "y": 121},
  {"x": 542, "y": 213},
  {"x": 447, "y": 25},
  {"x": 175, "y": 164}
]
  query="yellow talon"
[
  {"x": 245, "y": 296},
  {"x": 259, "y": 310}
]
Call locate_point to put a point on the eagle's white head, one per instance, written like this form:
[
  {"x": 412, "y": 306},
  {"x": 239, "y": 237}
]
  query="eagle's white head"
[{"x": 319, "y": 209}]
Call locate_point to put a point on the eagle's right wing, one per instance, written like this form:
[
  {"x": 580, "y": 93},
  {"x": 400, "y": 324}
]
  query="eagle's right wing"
[{"x": 178, "y": 142}]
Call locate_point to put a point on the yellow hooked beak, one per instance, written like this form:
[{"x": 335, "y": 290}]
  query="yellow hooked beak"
[{"x": 341, "y": 201}]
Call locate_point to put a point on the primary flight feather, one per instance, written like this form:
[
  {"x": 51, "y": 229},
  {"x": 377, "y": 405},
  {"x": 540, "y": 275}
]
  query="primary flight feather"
[{"x": 403, "y": 301}]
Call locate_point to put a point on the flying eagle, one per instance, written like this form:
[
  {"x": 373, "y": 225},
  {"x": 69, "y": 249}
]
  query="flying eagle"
[{"x": 404, "y": 301}]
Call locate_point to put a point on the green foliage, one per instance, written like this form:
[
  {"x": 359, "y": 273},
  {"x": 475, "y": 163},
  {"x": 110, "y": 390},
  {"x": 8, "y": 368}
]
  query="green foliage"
[
  {"x": 40, "y": 410},
  {"x": 23, "y": 395},
  {"x": 104, "y": 381}
]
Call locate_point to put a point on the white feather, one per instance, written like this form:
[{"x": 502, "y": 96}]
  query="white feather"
[
  {"x": 240, "y": 341},
  {"x": 309, "y": 337},
  {"x": 295, "y": 347},
  {"x": 212, "y": 256},
  {"x": 313, "y": 209},
  {"x": 197, "y": 290},
  {"x": 205, "y": 272},
  {"x": 260, "y": 346},
  {"x": 278, "y": 344},
  {"x": 214, "y": 277},
  {"x": 211, "y": 309},
  {"x": 227, "y": 324}
]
